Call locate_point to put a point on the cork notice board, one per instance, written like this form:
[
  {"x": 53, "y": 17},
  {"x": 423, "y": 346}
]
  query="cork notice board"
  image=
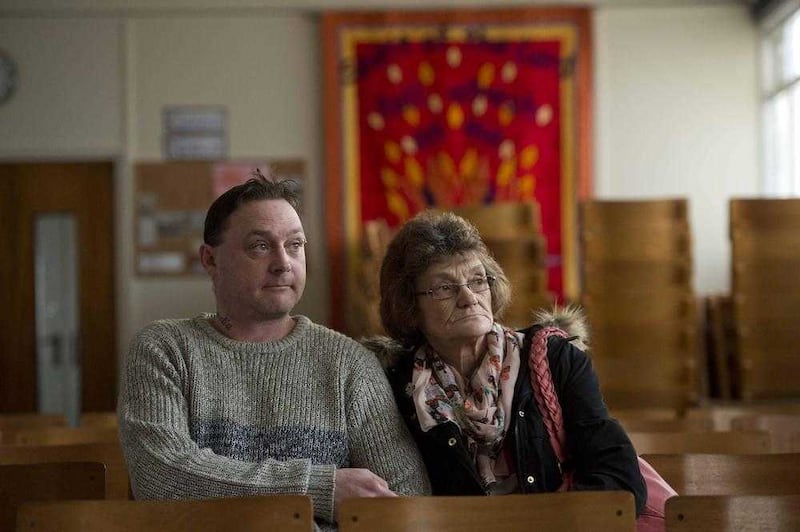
[{"x": 171, "y": 200}]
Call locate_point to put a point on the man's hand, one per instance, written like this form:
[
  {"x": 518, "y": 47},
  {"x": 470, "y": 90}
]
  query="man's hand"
[{"x": 353, "y": 482}]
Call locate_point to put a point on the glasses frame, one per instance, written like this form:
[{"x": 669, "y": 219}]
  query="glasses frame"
[{"x": 490, "y": 279}]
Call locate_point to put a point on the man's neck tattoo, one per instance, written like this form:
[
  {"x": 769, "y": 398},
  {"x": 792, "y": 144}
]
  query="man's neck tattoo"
[{"x": 225, "y": 321}]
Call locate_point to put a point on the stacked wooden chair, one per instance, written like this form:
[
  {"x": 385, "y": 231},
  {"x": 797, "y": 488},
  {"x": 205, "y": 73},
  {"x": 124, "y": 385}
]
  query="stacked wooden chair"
[
  {"x": 513, "y": 234},
  {"x": 364, "y": 317},
  {"x": 765, "y": 236},
  {"x": 721, "y": 347},
  {"x": 637, "y": 291}
]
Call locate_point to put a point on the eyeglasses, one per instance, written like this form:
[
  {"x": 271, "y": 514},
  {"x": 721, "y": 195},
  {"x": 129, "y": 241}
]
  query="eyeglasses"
[{"x": 450, "y": 290}]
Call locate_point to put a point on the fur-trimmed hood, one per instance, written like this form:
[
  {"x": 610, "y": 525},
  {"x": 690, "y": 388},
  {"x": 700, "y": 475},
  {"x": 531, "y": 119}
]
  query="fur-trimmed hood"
[{"x": 570, "y": 319}]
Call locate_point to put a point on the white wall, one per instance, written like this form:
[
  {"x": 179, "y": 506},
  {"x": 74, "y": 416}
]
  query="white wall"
[
  {"x": 677, "y": 116},
  {"x": 676, "y": 108},
  {"x": 69, "y": 94},
  {"x": 265, "y": 70}
]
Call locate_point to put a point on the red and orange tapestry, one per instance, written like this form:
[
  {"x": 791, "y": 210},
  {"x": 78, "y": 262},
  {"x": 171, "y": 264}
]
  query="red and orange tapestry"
[{"x": 454, "y": 109}]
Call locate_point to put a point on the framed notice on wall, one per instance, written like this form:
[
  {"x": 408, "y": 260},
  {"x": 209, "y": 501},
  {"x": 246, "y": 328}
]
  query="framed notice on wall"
[{"x": 171, "y": 200}]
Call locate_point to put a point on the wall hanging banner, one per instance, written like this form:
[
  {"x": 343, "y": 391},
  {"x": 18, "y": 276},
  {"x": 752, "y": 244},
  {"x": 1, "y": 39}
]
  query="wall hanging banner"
[{"x": 454, "y": 109}]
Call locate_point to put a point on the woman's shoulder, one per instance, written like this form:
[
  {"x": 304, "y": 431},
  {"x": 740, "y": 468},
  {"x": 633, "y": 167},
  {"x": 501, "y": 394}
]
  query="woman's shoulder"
[
  {"x": 570, "y": 319},
  {"x": 388, "y": 351}
]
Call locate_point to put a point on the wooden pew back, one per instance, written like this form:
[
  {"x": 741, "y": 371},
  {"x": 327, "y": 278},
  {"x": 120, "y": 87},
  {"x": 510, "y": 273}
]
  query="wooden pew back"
[
  {"x": 729, "y": 474},
  {"x": 601, "y": 511},
  {"x": 46, "y": 482},
  {"x": 278, "y": 512},
  {"x": 733, "y": 513},
  {"x": 109, "y": 454}
]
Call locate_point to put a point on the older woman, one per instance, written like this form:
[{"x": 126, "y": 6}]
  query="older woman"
[{"x": 461, "y": 379}]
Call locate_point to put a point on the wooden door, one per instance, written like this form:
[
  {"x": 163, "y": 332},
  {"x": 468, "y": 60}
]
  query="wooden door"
[{"x": 83, "y": 190}]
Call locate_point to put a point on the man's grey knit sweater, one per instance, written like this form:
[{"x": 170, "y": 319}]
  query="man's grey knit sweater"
[{"x": 202, "y": 415}]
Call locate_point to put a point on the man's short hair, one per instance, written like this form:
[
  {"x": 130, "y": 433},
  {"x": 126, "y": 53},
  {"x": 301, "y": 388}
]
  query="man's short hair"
[{"x": 258, "y": 187}]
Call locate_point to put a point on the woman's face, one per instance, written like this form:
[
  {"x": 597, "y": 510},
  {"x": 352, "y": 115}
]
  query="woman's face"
[{"x": 462, "y": 318}]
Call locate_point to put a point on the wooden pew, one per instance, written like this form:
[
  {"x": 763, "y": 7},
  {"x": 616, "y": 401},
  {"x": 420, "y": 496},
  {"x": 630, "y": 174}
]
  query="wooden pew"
[
  {"x": 46, "y": 482},
  {"x": 61, "y": 436},
  {"x": 31, "y": 420},
  {"x": 109, "y": 454},
  {"x": 600, "y": 511},
  {"x": 99, "y": 419},
  {"x": 728, "y": 442},
  {"x": 278, "y": 512},
  {"x": 721, "y": 414},
  {"x": 783, "y": 429},
  {"x": 733, "y": 513},
  {"x": 665, "y": 425},
  {"x": 729, "y": 474}
]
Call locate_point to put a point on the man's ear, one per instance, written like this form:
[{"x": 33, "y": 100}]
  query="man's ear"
[{"x": 207, "y": 259}]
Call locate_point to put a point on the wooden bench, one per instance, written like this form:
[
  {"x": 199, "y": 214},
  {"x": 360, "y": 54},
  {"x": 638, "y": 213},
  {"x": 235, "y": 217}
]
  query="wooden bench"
[
  {"x": 601, "y": 511},
  {"x": 727, "y": 442},
  {"x": 729, "y": 474},
  {"x": 109, "y": 454},
  {"x": 733, "y": 513},
  {"x": 278, "y": 512},
  {"x": 46, "y": 482}
]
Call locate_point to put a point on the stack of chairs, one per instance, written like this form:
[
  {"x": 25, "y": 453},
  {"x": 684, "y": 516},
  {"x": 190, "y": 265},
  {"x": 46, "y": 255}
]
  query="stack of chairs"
[
  {"x": 721, "y": 347},
  {"x": 513, "y": 234},
  {"x": 765, "y": 235},
  {"x": 364, "y": 317},
  {"x": 637, "y": 291}
]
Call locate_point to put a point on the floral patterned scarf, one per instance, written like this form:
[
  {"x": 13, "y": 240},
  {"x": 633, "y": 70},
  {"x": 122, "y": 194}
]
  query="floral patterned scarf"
[{"x": 479, "y": 406}]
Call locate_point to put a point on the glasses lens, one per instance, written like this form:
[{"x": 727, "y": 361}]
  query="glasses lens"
[{"x": 445, "y": 291}]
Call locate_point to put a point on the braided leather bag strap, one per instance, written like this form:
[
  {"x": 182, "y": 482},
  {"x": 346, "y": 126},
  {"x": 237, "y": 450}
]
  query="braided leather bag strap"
[{"x": 546, "y": 397}]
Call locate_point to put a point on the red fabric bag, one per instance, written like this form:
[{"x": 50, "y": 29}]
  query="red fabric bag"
[{"x": 658, "y": 491}]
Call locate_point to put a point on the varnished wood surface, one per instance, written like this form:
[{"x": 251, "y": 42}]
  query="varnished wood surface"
[
  {"x": 727, "y": 442},
  {"x": 736, "y": 513},
  {"x": 46, "y": 482},
  {"x": 109, "y": 454},
  {"x": 244, "y": 514},
  {"x": 784, "y": 429},
  {"x": 60, "y": 435},
  {"x": 601, "y": 511},
  {"x": 729, "y": 474},
  {"x": 31, "y": 420}
]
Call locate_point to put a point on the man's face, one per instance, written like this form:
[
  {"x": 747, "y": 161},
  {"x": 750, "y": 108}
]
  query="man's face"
[{"x": 259, "y": 269}]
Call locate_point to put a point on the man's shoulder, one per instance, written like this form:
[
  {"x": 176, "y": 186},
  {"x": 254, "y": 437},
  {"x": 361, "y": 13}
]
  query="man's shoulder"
[
  {"x": 333, "y": 340},
  {"x": 324, "y": 331}
]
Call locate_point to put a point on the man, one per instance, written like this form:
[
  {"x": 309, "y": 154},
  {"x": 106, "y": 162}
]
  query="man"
[{"x": 252, "y": 400}]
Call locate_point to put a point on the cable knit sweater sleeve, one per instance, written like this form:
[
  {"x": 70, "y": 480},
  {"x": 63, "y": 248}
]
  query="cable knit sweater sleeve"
[
  {"x": 376, "y": 431},
  {"x": 204, "y": 416}
]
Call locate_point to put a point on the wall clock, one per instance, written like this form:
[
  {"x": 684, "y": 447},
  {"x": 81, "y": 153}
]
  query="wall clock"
[{"x": 8, "y": 76}]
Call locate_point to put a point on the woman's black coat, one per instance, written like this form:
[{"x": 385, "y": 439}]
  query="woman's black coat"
[{"x": 601, "y": 454}]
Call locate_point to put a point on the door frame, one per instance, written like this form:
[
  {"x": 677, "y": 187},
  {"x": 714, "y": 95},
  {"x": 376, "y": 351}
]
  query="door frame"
[{"x": 27, "y": 188}]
